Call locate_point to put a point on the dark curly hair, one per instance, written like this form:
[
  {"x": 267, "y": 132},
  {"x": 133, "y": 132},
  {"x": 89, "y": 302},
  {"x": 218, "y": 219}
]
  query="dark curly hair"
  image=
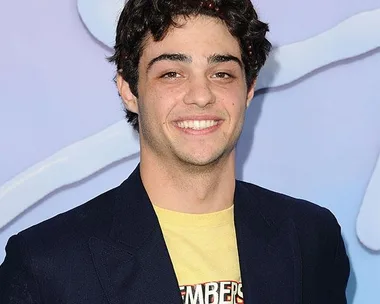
[{"x": 140, "y": 18}]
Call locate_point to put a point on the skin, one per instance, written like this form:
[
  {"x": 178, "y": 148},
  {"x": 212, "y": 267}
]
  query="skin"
[{"x": 194, "y": 73}]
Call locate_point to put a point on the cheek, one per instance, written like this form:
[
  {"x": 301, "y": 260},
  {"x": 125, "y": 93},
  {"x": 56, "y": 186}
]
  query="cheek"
[
  {"x": 155, "y": 108},
  {"x": 166, "y": 99},
  {"x": 235, "y": 104}
]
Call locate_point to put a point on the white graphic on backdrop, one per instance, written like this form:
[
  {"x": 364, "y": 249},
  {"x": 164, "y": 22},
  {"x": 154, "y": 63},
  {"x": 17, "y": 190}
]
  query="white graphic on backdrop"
[
  {"x": 100, "y": 17},
  {"x": 357, "y": 34},
  {"x": 68, "y": 165},
  {"x": 368, "y": 222}
]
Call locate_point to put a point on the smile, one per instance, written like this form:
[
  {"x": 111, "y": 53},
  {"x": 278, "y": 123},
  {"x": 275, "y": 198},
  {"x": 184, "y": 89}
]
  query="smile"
[{"x": 197, "y": 124}]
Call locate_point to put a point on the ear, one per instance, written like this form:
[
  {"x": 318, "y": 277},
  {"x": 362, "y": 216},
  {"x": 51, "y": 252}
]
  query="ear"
[
  {"x": 129, "y": 100},
  {"x": 251, "y": 92}
]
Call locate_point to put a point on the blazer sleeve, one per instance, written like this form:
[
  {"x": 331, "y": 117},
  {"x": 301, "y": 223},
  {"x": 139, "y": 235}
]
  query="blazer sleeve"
[
  {"x": 17, "y": 281},
  {"x": 340, "y": 272}
]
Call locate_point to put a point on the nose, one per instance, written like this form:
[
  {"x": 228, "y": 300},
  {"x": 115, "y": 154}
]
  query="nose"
[{"x": 199, "y": 92}]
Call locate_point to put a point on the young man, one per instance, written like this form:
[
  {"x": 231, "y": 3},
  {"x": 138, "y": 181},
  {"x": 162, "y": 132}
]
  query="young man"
[{"x": 180, "y": 229}]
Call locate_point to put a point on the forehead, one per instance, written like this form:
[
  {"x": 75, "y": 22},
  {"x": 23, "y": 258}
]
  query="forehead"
[{"x": 199, "y": 36}]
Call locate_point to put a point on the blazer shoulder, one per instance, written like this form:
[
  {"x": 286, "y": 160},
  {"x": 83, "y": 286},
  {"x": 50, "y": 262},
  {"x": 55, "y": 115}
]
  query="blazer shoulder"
[
  {"x": 282, "y": 206},
  {"x": 92, "y": 217}
]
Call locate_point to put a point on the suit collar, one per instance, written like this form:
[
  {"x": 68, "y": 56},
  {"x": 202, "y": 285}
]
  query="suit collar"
[
  {"x": 135, "y": 219},
  {"x": 136, "y": 265}
]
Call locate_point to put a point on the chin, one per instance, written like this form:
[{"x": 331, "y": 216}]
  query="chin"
[{"x": 202, "y": 160}]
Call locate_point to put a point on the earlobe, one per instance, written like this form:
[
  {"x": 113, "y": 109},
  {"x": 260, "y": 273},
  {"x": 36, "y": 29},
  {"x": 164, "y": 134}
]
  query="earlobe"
[
  {"x": 251, "y": 92},
  {"x": 129, "y": 99}
]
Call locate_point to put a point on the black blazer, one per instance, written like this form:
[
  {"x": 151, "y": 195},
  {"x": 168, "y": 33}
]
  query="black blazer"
[{"x": 111, "y": 250}]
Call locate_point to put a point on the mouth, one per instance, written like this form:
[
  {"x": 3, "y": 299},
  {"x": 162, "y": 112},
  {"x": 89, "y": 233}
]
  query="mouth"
[{"x": 197, "y": 124}]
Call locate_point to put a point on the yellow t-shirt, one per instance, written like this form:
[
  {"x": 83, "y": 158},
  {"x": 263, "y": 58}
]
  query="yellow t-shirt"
[{"x": 204, "y": 254}]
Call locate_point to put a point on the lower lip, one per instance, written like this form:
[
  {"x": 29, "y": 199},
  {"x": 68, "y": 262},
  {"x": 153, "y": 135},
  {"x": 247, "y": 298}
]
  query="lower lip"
[{"x": 199, "y": 132}]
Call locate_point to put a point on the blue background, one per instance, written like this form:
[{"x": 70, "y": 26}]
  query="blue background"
[{"x": 316, "y": 138}]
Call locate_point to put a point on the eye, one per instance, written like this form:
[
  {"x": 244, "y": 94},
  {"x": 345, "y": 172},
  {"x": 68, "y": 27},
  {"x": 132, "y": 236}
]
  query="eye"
[
  {"x": 171, "y": 75},
  {"x": 222, "y": 75}
]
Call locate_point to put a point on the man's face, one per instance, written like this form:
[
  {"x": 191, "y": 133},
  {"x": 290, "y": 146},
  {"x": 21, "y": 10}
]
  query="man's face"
[{"x": 192, "y": 94}]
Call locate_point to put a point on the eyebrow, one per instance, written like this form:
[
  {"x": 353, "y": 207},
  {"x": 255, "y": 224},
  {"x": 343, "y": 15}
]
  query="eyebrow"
[
  {"x": 215, "y": 58},
  {"x": 171, "y": 57}
]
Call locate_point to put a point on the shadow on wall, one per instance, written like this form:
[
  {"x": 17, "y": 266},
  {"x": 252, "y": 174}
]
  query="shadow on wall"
[
  {"x": 252, "y": 116},
  {"x": 245, "y": 143}
]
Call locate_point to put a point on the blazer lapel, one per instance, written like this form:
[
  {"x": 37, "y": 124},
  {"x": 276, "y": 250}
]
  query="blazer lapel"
[
  {"x": 118, "y": 272},
  {"x": 134, "y": 264},
  {"x": 269, "y": 253}
]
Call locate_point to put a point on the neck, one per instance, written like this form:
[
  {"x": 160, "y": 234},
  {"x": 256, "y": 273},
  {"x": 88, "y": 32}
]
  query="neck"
[{"x": 190, "y": 189}]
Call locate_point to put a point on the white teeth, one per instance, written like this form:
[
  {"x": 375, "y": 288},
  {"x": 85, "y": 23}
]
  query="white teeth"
[{"x": 196, "y": 124}]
